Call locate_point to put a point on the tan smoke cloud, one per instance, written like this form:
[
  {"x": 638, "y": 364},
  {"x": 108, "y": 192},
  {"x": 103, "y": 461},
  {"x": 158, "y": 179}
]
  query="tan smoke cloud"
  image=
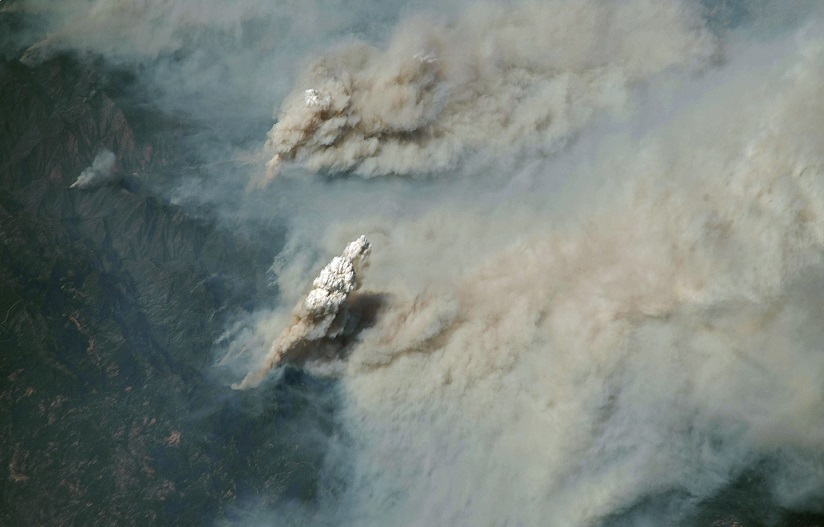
[
  {"x": 648, "y": 326},
  {"x": 500, "y": 76},
  {"x": 662, "y": 340}
]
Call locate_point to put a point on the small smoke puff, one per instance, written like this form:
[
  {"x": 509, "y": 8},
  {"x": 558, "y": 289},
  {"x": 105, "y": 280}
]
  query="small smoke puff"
[
  {"x": 500, "y": 77},
  {"x": 321, "y": 315},
  {"x": 101, "y": 171}
]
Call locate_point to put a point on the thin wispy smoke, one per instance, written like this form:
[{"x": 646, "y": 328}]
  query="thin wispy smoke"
[{"x": 214, "y": 60}]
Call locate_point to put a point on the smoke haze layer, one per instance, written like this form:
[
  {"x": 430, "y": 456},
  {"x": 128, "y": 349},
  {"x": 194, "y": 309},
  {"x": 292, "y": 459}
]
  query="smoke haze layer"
[
  {"x": 661, "y": 341},
  {"x": 607, "y": 287},
  {"x": 655, "y": 334}
]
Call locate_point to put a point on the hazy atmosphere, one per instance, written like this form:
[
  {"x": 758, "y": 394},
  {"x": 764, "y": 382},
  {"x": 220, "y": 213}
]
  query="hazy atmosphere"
[{"x": 503, "y": 263}]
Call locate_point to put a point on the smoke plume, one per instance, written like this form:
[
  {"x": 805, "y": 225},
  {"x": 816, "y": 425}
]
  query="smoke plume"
[
  {"x": 100, "y": 172},
  {"x": 486, "y": 81}
]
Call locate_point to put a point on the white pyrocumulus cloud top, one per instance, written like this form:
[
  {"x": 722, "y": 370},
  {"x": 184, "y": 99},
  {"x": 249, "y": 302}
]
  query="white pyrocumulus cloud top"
[{"x": 322, "y": 314}]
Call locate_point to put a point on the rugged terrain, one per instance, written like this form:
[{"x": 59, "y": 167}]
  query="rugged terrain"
[{"x": 110, "y": 301}]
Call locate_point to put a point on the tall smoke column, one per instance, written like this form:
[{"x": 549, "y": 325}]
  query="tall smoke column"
[{"x": 321, "y": 315}]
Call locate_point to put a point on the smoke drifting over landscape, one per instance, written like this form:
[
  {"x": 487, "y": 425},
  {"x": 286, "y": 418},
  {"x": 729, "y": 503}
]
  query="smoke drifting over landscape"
[{"x": 603, "y": 288}]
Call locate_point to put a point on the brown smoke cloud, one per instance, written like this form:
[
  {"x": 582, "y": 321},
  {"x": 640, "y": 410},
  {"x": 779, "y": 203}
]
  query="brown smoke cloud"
[{"x": 500, "y": 76}]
